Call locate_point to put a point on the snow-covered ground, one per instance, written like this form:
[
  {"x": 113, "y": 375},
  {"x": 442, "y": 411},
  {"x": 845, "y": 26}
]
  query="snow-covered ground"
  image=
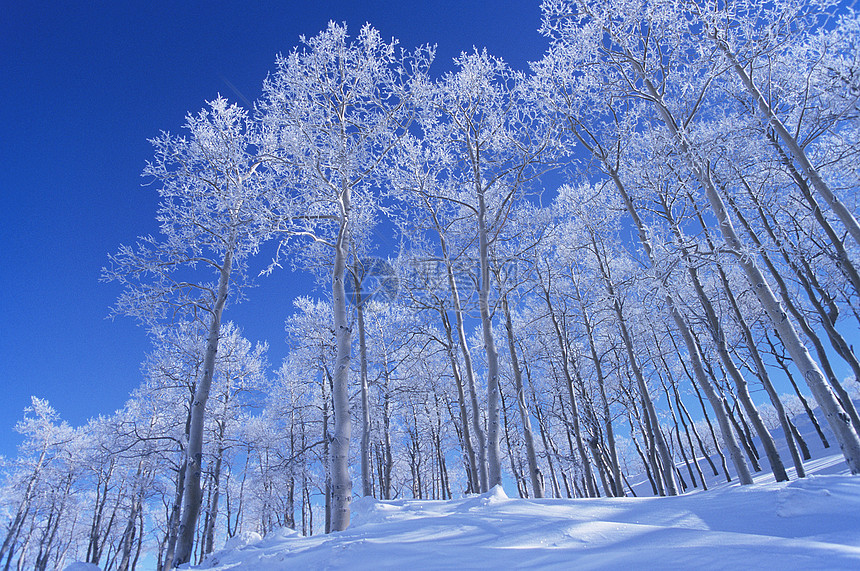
[{"x": 811, "y": 523}]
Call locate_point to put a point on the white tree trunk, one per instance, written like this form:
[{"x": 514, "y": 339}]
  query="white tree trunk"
[
  {"x": 468, "y": 448},
  {"x": 525, "y": 417},
  {"x": 568, "y": 379},
  {"x": 366, "y": 483},
  {"x": 715, "y": 328},
  {"x": 763, "y": 375},
  {"x": 666, "y": 461},
  {"x": 839, "y": 422},
  {"x": 480, "y": 442},
  {"x": 848, "y": 439},
  {"x": 845, "y": 215},
  {"x": 194, "y": 451},
  {"x": 618, "y": 490},
  {"x": 341, "y": 484},
  {"x": 494, "y": 461},
  {"x": 728, "y": 437}
]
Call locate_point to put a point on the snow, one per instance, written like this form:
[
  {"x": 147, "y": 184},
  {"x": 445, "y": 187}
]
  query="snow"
[
  {"x": 805, "y": 524},
  {"x": 242, "y": 539},
  {"x": 80, "y": 566}
]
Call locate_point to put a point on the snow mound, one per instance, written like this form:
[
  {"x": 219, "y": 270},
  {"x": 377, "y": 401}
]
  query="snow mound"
[
  {"x": 81, "y": 566},
  {"x": 243, "y": 539},
  {"x": 818, "y": 495},
  {"x": 494, "y": 497},
  {"x": 364, "y": 511}
]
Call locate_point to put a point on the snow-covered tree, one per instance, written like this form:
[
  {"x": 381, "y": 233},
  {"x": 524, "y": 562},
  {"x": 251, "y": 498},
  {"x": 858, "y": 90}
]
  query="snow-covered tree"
[
  {"x": 214, "y": 214},
  {"x": 331, "y": 112}
]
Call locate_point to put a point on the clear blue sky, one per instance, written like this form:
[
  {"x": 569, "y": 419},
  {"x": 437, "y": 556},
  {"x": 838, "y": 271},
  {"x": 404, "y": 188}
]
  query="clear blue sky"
[{"x": 82, "y": 87}]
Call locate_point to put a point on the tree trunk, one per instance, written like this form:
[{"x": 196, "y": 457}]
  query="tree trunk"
[
  {"x": 341, "y": 484},
  {"x": 618, "y": 486},
  {"x": 545, "y": 438},
  {"x": 764, "y": 377},
  {"x": 522, "y": 489},
  {"x": 683, "y": 415},
  {"x": 836, "y": 340},
  {"x": 715, "y": 328},
  {"x": 692, "y": 425},
  {"x": 95, "y": 544},
  {"x": 474, "y": 483},
  {"x": 675, "y": 420},
  {"x": 568, "y": 381},
  {"x": 366, "y": 484},
  {"x": 388, "y": 466},
  {"x": 494, "y": 461},
  {"x": 128, "y": 536},
  {"x": 480, "y": 442},
  {"x": 848, "y": 439},
  {"x": 845, "y": 215},
  {"x": 692, "y": 351},
  {"x": 646, "y": 464},
  {"x": 194, "y": 452},
  {"x": 801, "y": 443},
  {"x": 827, "y": 317},
  {"x": 327, "y": 383},
  {"x": 782, "y": 365},
  {"x": 209, "y": 532},
  {"x": 175, "y": 513},
  {"x": 843, "y": 399},
  {"x": 13, "y": 530},
  {"x": 525, "y": 417},
  {"x": 668, "y": 466},
  {"x": 746, "y": 439},
  {"x": 752, "y": 347}
]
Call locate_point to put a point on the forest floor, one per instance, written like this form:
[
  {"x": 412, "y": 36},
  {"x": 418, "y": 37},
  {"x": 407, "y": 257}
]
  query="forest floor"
[{"x": 810, "y": 523}]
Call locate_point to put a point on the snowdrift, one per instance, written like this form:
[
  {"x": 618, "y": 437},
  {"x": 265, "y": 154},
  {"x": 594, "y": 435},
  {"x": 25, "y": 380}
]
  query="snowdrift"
[{"x": 811, "y": 523}]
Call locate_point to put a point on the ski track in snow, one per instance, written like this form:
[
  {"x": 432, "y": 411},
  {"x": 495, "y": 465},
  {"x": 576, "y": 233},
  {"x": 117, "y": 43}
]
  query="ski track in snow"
[{"x": 812, "y": 523}]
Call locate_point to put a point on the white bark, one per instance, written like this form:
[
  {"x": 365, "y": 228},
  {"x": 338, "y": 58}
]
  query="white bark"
[
  {"x": 718, "y": 336},
  {"x": 474, "y": 484},
  {"x": 848, "y": 439},
  {"x": 494, "y": 462},
  {"x": 194, "y": 451},
  {"x": 568, "y": 380},
  {"x": 666, "y": 461},
  {"x": 726, "y": 433},
  {"x": 366, "y": 483},
  {"x": 525, "y": 416},
  {"x": 845, "y": 215},
  {"x": 470, "y": 380},
  {"x": 341, "y": 484}
]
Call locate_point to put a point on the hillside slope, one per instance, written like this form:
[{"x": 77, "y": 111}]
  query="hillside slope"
[{"x": 805, "y": 524}]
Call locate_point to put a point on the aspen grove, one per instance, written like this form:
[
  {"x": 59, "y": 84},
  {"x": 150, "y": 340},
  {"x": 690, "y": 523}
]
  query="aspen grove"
[{"x": 633, "y": 267}]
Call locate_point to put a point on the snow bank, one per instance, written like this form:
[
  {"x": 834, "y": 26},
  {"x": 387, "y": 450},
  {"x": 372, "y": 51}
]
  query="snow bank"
[
  {"x": 243, "y": 539},
  {"x": 820, "y": 495},
  {"x": 81, "y": 566},
  {"x": 803, "y": 524}
]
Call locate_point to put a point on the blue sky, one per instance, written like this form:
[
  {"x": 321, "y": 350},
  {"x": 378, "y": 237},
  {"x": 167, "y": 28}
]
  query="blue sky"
[{"x": 83, "y": 85}]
